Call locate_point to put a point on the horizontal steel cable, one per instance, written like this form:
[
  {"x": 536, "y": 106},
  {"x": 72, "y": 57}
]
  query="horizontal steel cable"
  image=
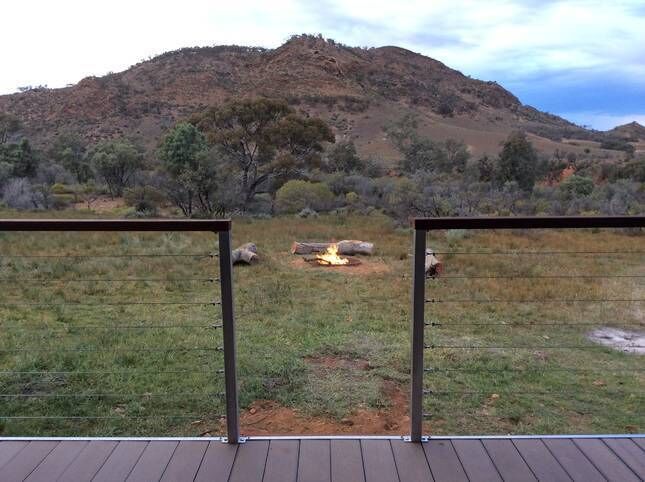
[
  {"x": 109, "y": 372},
  {"x": 107, "y": 280},
  {"x": 118, "y": 350},
  {"x": 535, "y": 253},
  {"x": 127, "y": 255},
  {"x": 554, "y": 276},
  {"x": 571, "y": 300},
  {"x": 109, "y": 395},
  {"x": 529, "y": 347},
  {"x": 532, "y": 370},
  {"x": 109, "y": 417},
  {"x": 116, "y": 303},
  {"x": 103, "y": 327},
  {"x": 528, "y": 392},
  {"x": 525, "y": 324}
]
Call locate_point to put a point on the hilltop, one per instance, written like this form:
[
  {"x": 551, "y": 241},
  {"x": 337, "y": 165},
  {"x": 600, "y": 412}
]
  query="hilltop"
[{"x": 356, "y": 90}]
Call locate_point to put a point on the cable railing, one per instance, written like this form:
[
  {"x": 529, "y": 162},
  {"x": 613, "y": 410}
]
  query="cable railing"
[
  {"x": 120, "y": 341},
  {"x": 501, "y": 335}
]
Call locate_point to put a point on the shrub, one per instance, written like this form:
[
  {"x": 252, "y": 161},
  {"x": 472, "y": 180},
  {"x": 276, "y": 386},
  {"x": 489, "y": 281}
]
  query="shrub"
[
  {"x": 144, "y": 199},
  {"x": 296, "y": 195},
  {"x": 19, "y": 194},
  {"x": 577, "y": 186}
]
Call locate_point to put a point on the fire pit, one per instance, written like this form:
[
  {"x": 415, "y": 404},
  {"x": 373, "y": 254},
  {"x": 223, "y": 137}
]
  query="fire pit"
[{"x": 330, "y": 258}]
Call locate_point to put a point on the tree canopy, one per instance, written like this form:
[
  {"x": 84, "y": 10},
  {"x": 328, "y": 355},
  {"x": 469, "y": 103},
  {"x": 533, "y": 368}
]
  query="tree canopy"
[
  {"x": 518, "y": 161},
  {"x": 266, "y": 140}
]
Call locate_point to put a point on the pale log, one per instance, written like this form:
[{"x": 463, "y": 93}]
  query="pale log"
[
  {"x": 347, "y": 247},
  {"x": 247, "y": 254},
  {"x": 433, "y": 265}
]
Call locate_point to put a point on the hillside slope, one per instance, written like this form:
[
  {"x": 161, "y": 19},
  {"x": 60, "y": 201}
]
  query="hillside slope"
[{"x": 357, "y": 90}]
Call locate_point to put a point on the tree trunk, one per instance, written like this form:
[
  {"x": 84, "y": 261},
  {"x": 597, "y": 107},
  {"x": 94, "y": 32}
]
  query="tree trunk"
[{"x": 348, "y": 247}]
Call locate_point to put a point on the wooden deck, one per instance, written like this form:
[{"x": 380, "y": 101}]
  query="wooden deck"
[{"x": 332, "y": 460}]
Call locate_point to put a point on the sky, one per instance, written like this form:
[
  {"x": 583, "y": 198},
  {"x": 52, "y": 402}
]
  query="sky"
[{"x": 581, "y": 59}]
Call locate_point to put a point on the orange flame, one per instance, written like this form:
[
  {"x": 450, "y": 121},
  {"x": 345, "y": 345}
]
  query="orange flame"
[{"x": 330, "y": 257}]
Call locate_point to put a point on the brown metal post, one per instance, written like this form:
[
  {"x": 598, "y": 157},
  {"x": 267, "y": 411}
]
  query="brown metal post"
[
  {"x": 228, "y": 329},
  {"x": 417, "y": 332}
]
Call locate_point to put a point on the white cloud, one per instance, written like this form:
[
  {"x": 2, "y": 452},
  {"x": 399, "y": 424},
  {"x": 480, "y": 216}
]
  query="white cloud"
[
  {"x": 512, "y": 41},
  {"x": 602, "y": 120}
]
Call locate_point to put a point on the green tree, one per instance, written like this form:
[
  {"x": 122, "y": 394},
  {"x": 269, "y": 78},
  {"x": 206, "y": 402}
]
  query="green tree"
[
  {"x": 577, "y": 186},
  {"x": 9, "y": 124},
  {"x": 186, "y": 159},
  {"x": 266, "y": 140},
  {"x": 116, "y": 162},
  {"x": 21, "y": 157},
  {"x": 457, "y": 155},
  {"x": 69, "y": 150},
  {"x": 518, "y": 161},
  {"x": 423, "y": 155},
  {"x": 343, "y": 158}
]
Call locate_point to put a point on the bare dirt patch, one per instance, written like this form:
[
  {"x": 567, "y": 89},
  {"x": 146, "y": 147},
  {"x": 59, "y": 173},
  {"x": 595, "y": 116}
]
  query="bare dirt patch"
[
  {"x": 366, "y": 268},
  {"x": 269, "y": 417},
  {"x": 102, "y": 205},
  {"x": 623, "y": 340},
  {"x": 334, "y": 362}
]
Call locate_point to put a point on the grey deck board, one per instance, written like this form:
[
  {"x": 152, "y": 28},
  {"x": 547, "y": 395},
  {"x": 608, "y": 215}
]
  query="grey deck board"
[
  {"x": 56, "y": 461},
  {"x": 315, "y": 461},
  {"x": 9, "y": 449},
  {"x": 217, "y": 462},
  {"x": 411, "y": 462},
  {"x": 25, "y": 461},
  {"x": 605, "y": 460},
  {"x": 249, "y": 462},
  {"x": 121, "y": 461},
  {"x": 630, "y": 453},
  {"x": 153, "y": 462},
  {"x": 378, "y": 460},
  {"x": 443, "y": 461},
  {"x": 508, "y": 461},
  {"x": 640, "y": 442},
  {"x": 573, "y": 460},
  {"x": 185, "y": 462},
  {"x": 346, "y": 461},
  {"x": 282, "y": 461},
  {"x": 475, "y": 460},
  {"x": 514, "y": 459},
  {"x": 88, "y": 462},
  {"x": 542, "y": 463}
]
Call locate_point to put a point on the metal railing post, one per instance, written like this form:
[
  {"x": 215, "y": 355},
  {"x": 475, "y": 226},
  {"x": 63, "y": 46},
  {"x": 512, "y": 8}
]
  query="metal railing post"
[
  {"x": 228, "y": 329},
  {"x": 417, "y": 329}
]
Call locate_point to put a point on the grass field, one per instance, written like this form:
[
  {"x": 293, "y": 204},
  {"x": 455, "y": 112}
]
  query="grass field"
[{"x": 319, "y": 349}]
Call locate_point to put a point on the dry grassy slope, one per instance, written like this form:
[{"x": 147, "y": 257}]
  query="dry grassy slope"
[
  {"x": 356, "y": 90},
  {"x": 633, "y": 130}
]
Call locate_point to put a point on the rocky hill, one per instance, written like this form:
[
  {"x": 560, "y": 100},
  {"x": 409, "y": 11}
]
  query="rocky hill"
[
  {"x": 357, "y": 90},
  {"x": 632, "y": 132}
]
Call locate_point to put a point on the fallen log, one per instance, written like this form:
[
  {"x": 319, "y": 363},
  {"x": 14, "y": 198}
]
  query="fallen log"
[
  {"x": 247, "y": 254},
  {"x": 347, "y": 246},
  {"x": 434, "y": 267}
]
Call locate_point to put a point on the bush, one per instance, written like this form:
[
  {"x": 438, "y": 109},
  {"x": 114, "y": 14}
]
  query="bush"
[
  {"x": 19, "y": 194},
  {"x": 297, "y": 195},
  {"x": 577, "y": 186},
  {"x": 144, "y": 199}
]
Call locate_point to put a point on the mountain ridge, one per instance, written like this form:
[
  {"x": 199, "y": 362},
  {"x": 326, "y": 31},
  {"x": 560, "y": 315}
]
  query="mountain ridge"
[{"x": 357, "y": 90}]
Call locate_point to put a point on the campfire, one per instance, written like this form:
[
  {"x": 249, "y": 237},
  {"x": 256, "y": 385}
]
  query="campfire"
[
  {"x": 330, "y": 257},
  {"x": 332, "y": 254}
]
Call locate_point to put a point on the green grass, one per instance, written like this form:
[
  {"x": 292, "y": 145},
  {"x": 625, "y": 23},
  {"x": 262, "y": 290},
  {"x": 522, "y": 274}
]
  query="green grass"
[{"x": 287, "y": 315}]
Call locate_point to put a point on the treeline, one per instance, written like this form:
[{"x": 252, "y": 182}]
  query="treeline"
[{"x": 259, "y": 157}]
